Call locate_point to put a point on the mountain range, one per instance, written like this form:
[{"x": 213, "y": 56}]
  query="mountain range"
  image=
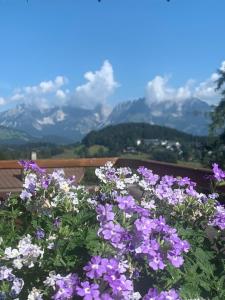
[{"x": 68, "y": 124}]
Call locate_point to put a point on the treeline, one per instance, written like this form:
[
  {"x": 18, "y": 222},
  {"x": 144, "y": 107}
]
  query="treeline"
[
  {"x": 117, "y": 137},
  {"x": 112, "y": 140},
  {"x": 16, "y": 152}
]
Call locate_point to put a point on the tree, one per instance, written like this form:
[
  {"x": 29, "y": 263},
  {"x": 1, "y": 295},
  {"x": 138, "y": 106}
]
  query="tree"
[{"x": 218, "y": 115}]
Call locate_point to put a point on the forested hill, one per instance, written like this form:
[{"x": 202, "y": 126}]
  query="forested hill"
[{"x": 124, "y": 135}]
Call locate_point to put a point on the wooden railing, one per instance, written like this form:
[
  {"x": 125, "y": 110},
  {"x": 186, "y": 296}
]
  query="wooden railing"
[
  {"x": 199, "y": 175},
  {"x": 61, "y": 163}
]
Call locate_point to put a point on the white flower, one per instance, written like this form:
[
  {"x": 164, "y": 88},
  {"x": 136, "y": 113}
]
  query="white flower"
[
  {"x": 92, "y": 202},
  {"x": 148, "y": 204},
  {"x": 51, "y": 279},
  {"x": 64, "y": 186},
  {"x": 30, "y": 180},
  {"x": 120, "y": 185},
  {"x": 135, "y": 296},
  {"x": 142, "y": 183},
  {"x": 51, "y": 240},
  {"x": 18, "y": 263},
  {"x": 35, "y": 294},
  {"x": 11, "y": 253},
  {"x": 26, "y": 253}
]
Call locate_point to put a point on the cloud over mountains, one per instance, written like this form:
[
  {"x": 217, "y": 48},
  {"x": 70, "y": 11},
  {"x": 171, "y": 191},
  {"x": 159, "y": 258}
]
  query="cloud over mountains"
[
  {"x": 159, "y": 90},
  {"x": 99, "y": 87},
  {"x": 101, "y": 84}
]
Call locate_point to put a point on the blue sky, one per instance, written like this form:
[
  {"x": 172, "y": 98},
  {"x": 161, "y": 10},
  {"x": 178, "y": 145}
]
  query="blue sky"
[{"x": 165, "y": 47}]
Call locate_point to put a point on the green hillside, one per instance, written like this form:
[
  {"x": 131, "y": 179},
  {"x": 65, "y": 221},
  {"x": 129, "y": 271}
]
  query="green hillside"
[
  {"x": 117, "y": 137},
  {"x": 13, "y": 136}
]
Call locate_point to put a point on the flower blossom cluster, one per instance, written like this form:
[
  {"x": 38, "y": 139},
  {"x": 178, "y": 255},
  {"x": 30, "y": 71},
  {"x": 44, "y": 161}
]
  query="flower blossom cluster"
[
  {"x": 49, "y": 190},
  {"x": 16, "y": 284},
  {"x": 218, "y": 219},
  {"x": 120, "y": 177},
  {"x": 26, "y": 254},
  {"x": 154, "y": 294},
  {"x": 147, "y": 237},
  {"x": 63, "y": 286},
  {"x": 135, "y": 237},
  {"x": 107, "y": 272},
  {"x": 171, "y": 189},
  {"x": 106, "y": 279},
  {"x": 218, "y": 173},
  {"x": 35, "y": 294}
]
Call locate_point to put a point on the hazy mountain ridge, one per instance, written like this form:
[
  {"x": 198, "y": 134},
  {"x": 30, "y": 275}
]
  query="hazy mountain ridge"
[
  {"x": 191, "y": 116},
  {"x": 68, "y": 124},
  {"x": 13, "y": 136},
  {"x": 71, "y": 123}
]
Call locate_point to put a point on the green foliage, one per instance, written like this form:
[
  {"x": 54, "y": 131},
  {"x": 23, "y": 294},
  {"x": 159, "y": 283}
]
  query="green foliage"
[
  {"x": 218, "y": 115},
  {"x": 118, "y": 137},
  {"x": 164, "y": 155},
  {"x": 89, "y": 177}
]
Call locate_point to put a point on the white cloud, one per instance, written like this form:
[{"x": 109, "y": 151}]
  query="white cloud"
[
  {"x": 17, "y": 97},
  {"x": 2, "y": 101},
  {"x": 99, "y": 87},
  {"x": 60, "y": 94},
  {"x": 43, "y": 95},
  {"x": 222, "y": 67},
  {"x": 46, "y": 86},
  {"x": 159, "y": 89},
  {"x": 206, "y": 90}
]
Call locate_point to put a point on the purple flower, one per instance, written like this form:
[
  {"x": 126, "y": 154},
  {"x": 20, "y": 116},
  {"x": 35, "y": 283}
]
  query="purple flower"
[
  {"x": 17, "y": 286},
  {"x": 213, "y": 196},
  {"x": 45, "y": 183},
  {"x": 113, "y": 266},
  {"x": 175, "y": 260},
  {"x": 125, "y": 202},
  {"x": 168, "y": 180},
  {"x": 88, "y": 291},
  {"x": 6, "y": 273},
  {"x": 191, "y": 191},
  {"x": 111, "y": 175},
  {"x": 143, "y": 212},
  {"x": 148, "y": 175},
  {"x": 25, "y": 195},
  {"x": 114, "y": 233},
  {"x": 40, "y": 233},
  {"x": 96, "y": 267},
  {"x": 31, "y": 166},
  {"x": 105, "y": 213},
  {"x": 148, "y": 247},
  {"x": 185, "y": 181},
  {"x": 153, "y": 294},
  {"x": 57, "y": 222},
  {"x": 156, "y": 262},
  {"x": 219, "y": 217},
  {"x": 145, "y": 226},
  {"x": 120, "y": 285},
  {"x": 66, "y": 287},
  {"x": 106, "y": 296},
  {"x": 218, "y": 173}
]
